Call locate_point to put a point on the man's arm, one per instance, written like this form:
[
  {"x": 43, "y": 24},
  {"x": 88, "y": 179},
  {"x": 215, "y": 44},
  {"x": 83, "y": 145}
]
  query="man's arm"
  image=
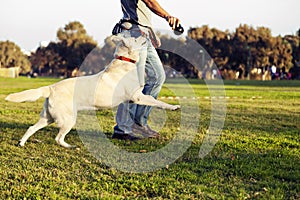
[{"x": 154, "y": 6}]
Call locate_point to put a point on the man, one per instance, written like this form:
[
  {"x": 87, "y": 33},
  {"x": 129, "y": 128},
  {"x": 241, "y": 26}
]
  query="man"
[{"x": 131, "y": 118}]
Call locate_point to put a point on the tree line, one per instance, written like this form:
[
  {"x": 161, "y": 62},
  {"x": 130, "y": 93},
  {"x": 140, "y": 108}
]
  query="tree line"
[{"x": 246, "y": 53}]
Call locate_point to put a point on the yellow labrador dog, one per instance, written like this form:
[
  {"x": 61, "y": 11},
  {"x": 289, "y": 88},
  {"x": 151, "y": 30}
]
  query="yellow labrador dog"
[{"x": 117, "y": 83}]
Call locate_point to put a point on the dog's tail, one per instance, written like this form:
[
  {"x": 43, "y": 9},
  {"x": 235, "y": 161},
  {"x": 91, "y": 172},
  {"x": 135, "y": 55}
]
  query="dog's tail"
[{"x": 29, "y": 95}]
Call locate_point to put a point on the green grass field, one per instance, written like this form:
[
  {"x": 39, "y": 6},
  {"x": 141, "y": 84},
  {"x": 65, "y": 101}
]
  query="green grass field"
[{"x": 257, "y": 155}]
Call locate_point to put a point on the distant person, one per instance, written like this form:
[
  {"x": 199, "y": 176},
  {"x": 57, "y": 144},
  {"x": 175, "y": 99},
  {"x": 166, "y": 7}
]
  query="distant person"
[
  {"x": 273, "y": 72},
  {"x": 132, "y": 119}
]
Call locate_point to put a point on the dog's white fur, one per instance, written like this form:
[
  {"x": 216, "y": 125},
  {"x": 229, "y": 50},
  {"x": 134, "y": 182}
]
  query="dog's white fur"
[{"x": 117, "y": 83}]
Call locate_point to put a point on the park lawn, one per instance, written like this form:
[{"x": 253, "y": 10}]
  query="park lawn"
[{"x": 257, "y": 155}]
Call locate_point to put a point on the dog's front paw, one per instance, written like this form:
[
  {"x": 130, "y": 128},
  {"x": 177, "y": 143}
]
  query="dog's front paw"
[
  {"x": 175, "y": 107},
  {"x": 20, "y": 144}
]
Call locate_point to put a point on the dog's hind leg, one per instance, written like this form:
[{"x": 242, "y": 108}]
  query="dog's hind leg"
[
  {"x": 32, "y": 129},
  {"x": 45, "y": 119},
  {"x": 63, "y": 131}
]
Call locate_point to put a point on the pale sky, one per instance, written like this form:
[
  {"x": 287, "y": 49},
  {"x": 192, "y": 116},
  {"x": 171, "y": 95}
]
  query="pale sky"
[{"x": 29, "y": 22}]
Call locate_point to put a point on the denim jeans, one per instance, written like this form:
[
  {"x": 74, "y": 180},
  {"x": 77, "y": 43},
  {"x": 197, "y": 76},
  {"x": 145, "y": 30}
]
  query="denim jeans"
[{"x": 128, "y": 113}]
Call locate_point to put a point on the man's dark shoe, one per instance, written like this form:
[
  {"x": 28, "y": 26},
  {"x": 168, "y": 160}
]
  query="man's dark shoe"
[
  {"x": 125, "y": 136},
  {"x": 145, "y": 131},
  {"x": 119, "y": 134}
]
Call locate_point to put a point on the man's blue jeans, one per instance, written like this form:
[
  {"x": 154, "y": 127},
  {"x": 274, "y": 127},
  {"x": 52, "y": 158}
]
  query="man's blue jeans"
[{"x": 128, "y": 114}]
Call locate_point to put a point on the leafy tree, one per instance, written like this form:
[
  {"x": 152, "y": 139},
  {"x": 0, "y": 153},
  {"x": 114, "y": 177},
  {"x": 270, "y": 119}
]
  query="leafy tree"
[
  {"x": 12, "y": 56},
  {"x": 294, "y": 41},
  {"x": 67, "y": 54},
  {"x": 47, "y": 61},
  {"x": 75, "y": 45},
  {"x": 74, "y": 34},
  {"x": 172, "y": 55},
  {"x": 215, "y": 43}
]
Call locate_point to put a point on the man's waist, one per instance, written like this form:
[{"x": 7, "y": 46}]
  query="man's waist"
[{"x": 135, "y": 22}]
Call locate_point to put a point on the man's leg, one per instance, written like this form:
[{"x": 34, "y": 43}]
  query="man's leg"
[{"x": 155, "y": 77}]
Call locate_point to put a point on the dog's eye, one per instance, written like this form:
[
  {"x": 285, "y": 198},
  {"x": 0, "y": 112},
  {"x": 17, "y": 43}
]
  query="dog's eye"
[{"x": 144, "y": 43}]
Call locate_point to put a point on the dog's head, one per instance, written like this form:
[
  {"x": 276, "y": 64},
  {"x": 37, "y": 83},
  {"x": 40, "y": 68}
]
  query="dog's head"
[{"x": 129, "y": 46}]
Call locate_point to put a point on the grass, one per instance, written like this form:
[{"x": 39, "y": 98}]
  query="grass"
[{"x": 256, "y": 157}]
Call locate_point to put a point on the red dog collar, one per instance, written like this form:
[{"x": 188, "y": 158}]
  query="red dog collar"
[{"x": 126, "y": 59}]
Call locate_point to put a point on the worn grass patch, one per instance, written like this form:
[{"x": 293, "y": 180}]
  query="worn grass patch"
[{"x": 257, "y": 155}]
